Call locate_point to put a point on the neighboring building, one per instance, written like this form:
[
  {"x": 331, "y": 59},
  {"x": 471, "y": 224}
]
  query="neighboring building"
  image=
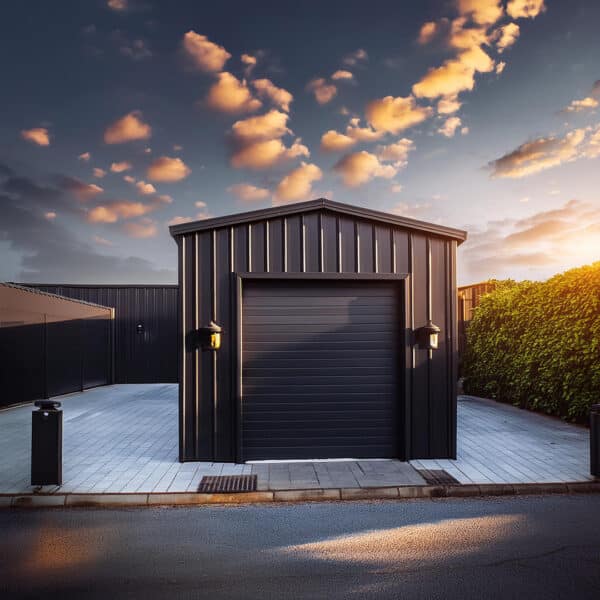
[
  {"x": 469, "y": 297},
  {"x": 321, "y": 306},
  {"x": 145, "y": 349},
  {"x": 50, "y": 345}
]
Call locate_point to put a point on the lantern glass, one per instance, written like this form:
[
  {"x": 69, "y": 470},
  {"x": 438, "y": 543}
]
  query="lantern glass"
[{"x": 433, "y": 340}]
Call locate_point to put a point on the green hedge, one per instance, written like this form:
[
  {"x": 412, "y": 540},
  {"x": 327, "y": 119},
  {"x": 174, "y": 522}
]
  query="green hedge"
[{"x": 537, "y": 344}]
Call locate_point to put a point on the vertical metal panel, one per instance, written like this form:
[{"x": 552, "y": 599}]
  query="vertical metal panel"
[
  {"x": 312, "y": 246},
  {"x": 347, "y": 245},
  {"x": 258, "y": 247},
  {"x": 438, "y": 369},
  {"x": 384, "y": 248},
  {"x": 366, "y": 253},
  {"x": 401, "y": 251},
  {"x": 240, "y": 248},
  {"x": 330, "y": 244},
  {"x": 275, "y": 246},
  {"x": 452, "y": 347},
  {"x": 188, "y": 253},
  {"x": 420, "y": 379},
  {"x": 294, "y": 244}
]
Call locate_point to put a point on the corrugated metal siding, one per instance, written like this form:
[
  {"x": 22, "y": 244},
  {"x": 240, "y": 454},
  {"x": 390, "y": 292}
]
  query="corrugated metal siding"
[
  {"x": 320, "y": 241},
  {"x": 150, "y": 357}
]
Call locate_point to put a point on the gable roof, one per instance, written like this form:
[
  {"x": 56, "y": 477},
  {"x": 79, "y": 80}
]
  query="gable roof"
[{"x": 312, "y": 205}]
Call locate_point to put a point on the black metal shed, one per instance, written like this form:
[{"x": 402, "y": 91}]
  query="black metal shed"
[
  {"x": 145, "y": 346},
  {"x": 321, "y": 306}
]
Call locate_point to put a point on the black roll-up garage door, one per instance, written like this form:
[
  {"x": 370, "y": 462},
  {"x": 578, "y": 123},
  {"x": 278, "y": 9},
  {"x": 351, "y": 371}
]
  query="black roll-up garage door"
[{"x": 320, "y": 369}]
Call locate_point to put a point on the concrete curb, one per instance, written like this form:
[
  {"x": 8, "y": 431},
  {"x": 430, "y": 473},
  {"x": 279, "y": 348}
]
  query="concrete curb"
[{"x": 307, "y": 495}]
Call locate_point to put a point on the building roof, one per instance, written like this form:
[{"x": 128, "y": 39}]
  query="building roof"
[
  {"x": 31, "y": 290},
  {"x": 312, "y": 205}
]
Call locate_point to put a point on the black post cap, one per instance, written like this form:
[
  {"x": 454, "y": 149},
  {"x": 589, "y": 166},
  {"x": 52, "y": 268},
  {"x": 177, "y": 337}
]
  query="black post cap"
[{"x": 47, "y": 404}]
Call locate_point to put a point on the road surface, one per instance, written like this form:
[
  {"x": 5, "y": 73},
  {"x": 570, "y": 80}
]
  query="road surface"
[{"x": 526, "y": 547}]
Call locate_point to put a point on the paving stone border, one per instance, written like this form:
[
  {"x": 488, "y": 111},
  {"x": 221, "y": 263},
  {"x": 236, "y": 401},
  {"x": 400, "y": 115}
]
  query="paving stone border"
[{"x": 308, "y": 495}]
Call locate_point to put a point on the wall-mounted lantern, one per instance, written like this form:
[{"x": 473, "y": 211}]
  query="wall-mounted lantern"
[
  {"x": 139, "y": 328},
  {"x": 428, "y": 336},
  {"x": 209, "y": 338}
]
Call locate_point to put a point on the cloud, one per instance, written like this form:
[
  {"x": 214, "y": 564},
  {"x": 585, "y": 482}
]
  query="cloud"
[
  {"x": 428, "y": 32},
  {"x": 278, "y": 96},
  {"x": 50, "y": 215},
  {"x": 82, "y": 191},
  {"x": 256, "y": 141},
  {"x": 204, "y": 55},
  {"x": 482, "y": 12},
  {"x": 341, "y": 75},
  {"x": 332, "y": 141},
  {"x": 85, "y": 157},
  {"x": 394, "y": 115},
  {"x": 129, "y": 178},
  {"x": 145, "y": 228},
  {"x": 450, "y": 126},
  {"x": 127, "y": 129},
  {"x": 200, "y": 204},
  {"x": 250, "y": 62},
  {"x": 323, "y": 91},
  {"x": 396, "y": 188},
  {"x": 168, "y": 169},
  {"x": 448, "y": 105},
  {"x": 248, "y": 192},
  {"x": 48, "y": 251},
  {"x": 362, "y": 134},
  {"x": 111, "y": 212},
  {"x": 136, "y": 49},
  {"x": 538, "y": 155},
  {"x": 396, "y": 153},
  {"x": 120, "y": 167},
  {"x": 507, "y": 36},
  {"x": 117, "y": 5},
  {"x": 410, "y": 210},
  {"x": 297, "y": 184},
  {"x": 100, "y": 241},
  {"x": 230, "y": 95},
  {"x": 38, "y": 135},
  {"x": 587, "y": 103},
  {"x": 543, "y": 242},
  {"x": 145, "y": 188},
  {"x": 592, "y": 147},
  {"x": 519, "y": 9},
  {"x": 360, "y": 167},
  {"x": 356, "y": 57},
  {"x": 500, "y": 66}
]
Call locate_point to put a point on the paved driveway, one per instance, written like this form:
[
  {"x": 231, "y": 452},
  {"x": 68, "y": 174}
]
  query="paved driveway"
[{"x": 123, "y": 438}]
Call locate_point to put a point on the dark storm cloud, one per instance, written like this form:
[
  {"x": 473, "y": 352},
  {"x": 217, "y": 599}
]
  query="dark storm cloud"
[{"x": 49, "y": 251}]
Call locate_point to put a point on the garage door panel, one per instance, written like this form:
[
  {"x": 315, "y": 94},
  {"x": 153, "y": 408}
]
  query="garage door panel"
[{"x": 320, "y": 365}]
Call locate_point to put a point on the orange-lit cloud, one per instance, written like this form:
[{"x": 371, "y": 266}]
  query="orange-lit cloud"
[
  {"x": 450, "y": 126},
  {"x": 127, "y": 129},
  {"x": 523, "y": 9},
  {"x": 448, "y": 105},
  {"x": 332, "y": 141},
  {"x": 120, "y": 167},
  {"x": 342, "y": 75},
  {"x": 85, "y": 157},
  {"x": 204, "y": 55},
  {"x": 256, "y": 141},
  {"x": 100, "y": 241},
  {"x": 81, "y": 190},
  {"x": 167, "y": 169},
  {"x": 427, "y": 32},
  {"x": 117, "y": 5},
  {"x": 538, "y": 155},
  {"x": 394, "y": 115},
  {"x": 99, "y": 173},
  {"x": 297, "y": 184},
  {"x": 507, "y": 36},
  {"x": 111, "y": 212},
  {"x": 323, "y": 91},
  {"x": 482, "y": 12},
  {"x": 396, "y": 153},
  {"x": 145, "y": 188},
  {"x": 144, "y": 228},
  {"x": 360, "y": 167},
  {"x": 248, "y": 192},
  {"x": 412, "y": 211},
  {"x": 38, "y": 135},
  {"x": 230, "y": 95},
  {"x": 281, "y": 98},
  {"x": 50, "y": 215},
  {"x": 587, "y": 103},
  {"x": 354, "y": 58}
]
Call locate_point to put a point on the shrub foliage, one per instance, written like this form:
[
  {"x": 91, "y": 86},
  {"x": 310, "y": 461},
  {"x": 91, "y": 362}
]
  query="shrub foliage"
[{"x": 537, "y": 344}]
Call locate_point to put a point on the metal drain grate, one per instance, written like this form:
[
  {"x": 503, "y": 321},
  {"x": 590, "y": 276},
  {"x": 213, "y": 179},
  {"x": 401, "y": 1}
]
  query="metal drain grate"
[
  {"x": 437, "y": 477},
  {"x": 225, "y": 484}
]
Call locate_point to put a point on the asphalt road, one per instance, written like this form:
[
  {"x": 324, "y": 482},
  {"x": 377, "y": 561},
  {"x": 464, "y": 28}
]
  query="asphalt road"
[{"x": 527, "y": 547}]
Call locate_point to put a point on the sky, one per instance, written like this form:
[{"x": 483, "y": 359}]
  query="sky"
[{"x": 121, "y": 117}]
